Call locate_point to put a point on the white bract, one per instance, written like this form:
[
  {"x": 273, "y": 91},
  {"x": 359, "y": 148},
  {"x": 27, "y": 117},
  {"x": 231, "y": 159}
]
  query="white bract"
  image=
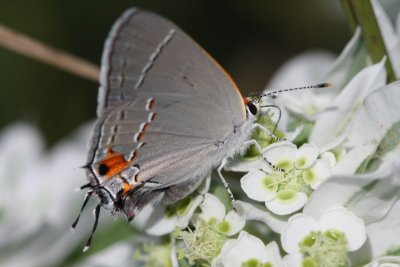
[
  {"x": 162, "y": 220},
  {"x": 325, "y": 242},
  {"x": 37, "y": 200},
  {"x": 119, "y": 254},
  {"x": 213, "y": 212},
  {"x": 374, "y": 197},
  {"x": 253, "y": 213},
  {"x": 140, "y": 252},
  {"x": 287, "y": 191},
  {"x": 380, "y": 118},
  {"x": 336, "y": 119},
  {"x": 248, "y": 251},
  {"x": 390, "y": 35},
  {"x": 315, "y": 67},
  {"x": 386, "y": 261}
]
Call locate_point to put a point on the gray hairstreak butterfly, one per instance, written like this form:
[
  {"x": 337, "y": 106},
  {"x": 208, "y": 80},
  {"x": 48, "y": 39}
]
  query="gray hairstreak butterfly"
[{"x": 167, "y": 114}]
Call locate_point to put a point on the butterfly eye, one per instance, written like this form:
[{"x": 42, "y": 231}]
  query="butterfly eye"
[{"x": 252, "y": 108}]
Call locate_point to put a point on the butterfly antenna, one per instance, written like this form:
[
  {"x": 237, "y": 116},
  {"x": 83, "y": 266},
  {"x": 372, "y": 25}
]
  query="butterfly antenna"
[
  {"x": 274, "y": 92},
  {"x": 278, "y": 120},
  {"x": 96, "y": 214},
  {"x": 85, "y": 201}
]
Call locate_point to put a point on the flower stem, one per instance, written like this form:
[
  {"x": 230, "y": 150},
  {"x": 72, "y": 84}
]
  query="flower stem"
[
  {"x": 349, "y": 12},
  {"x": 361, "y": 12},
  {"x": 27, "y": 46}
]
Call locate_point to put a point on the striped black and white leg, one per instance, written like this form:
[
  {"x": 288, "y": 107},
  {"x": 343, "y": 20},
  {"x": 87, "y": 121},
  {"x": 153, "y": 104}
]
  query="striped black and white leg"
[
  {"x": 224, "y": 182},
  {"x": 268, "y": 133},
  {"x": 258, "y": 147}
]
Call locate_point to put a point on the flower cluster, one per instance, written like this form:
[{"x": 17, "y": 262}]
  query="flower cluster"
[
  {"x": 329, "y": 183},
  {"x": 325, "y": 193}
]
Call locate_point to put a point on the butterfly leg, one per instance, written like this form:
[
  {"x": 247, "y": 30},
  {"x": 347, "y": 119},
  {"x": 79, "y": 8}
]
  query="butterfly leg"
[
  {"x": 258, "y": 147},
  {"x": 265, "y": 130},
  {"x": 96, "y": 214},
  {"x": 268, "y": 107},
  {"x": 224, "y": 182}
]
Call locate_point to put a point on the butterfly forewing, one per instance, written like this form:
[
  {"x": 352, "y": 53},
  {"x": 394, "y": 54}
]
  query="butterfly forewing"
[{"x": 150, "y": 55}]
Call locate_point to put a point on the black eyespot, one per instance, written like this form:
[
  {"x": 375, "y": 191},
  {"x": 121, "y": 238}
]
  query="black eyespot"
[
  {"x": 103, "y": 169},
  {"x": 252, "y": 108},
  {"x": 119, "y": 203}
]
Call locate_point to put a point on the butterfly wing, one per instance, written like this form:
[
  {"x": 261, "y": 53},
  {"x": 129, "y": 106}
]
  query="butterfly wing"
[
  {"x": 164, "y": 105},
  {"x": 149, "y": 55}
]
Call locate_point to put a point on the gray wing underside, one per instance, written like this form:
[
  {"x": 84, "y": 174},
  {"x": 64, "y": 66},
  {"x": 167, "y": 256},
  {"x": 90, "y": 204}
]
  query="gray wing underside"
[
  {"x": 195, "y": 103},
  {"x": 148, "y": 55},
  {"x": 171, "y": 145}
]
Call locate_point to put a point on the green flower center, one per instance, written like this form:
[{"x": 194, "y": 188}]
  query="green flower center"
[
  {"x": 223, "y": 227},
  {"x": 204, "y": 243},
  {"x": 287, "y": 165},
  {"x": 287, "y": 184},
  {"x": 255, "y": 263},
  {"x": 309, "y": 176},
  {"x": 179, "y": 208},
  {"x": 327, "y": 249},
  {"x": 286, "y": 196},
  {"x": 251, "y": 263},
  {"x": 300, "y": 162},
  {"x": 270, "y": 184}
]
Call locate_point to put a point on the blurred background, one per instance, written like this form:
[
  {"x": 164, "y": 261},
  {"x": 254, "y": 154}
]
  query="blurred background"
[{"x": 249, "y": 39}]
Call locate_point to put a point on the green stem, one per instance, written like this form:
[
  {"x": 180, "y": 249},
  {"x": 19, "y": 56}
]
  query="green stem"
[
  {"x": 366, "y": 18},
  {"x": 349, "y": 12}
]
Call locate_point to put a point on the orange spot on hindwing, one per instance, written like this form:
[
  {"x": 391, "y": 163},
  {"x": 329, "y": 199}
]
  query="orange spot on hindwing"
[
  {"x": 113, "y": 164},
  {"x": 126, "y": 188}
]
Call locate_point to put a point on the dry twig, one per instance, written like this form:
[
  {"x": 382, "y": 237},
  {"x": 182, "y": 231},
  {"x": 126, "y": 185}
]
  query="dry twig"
[{"x": 27, "y": 46}]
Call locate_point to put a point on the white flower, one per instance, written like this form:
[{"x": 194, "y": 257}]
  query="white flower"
[
  {"x": 248, "y": 251},
  {"x": 389, "y": 34},
  {"x": 119, "y": 254},
  {"x": 213, "y": 211},
  {"x": 286, "y": 192},
  {"x": 303, "y": 69},
  {"x": 373, "y": 197},
  {"x": 37, "y": 199},
  {"x": 142, "y": 252},
  {"x": 317, "y": 66},
  {"x": 386, "y": 261},
  {"x": 160, "y": 220},
  {"x": 337, "y": 117},
  {"x": 251, "y": 213},
  {"x": 325, "y": 242},
  {"x": 333, "y": 151},
  {"x": 213, "y": 227},
  {"x": 379, "y": 117}
]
